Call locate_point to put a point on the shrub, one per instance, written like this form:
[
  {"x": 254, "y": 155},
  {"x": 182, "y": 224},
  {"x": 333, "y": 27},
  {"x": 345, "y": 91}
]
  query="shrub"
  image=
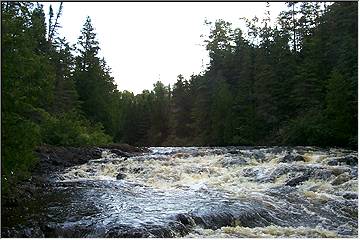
[{"x": 70, "y": 129}]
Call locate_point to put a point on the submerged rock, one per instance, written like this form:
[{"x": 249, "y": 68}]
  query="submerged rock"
[
  {"x": 228, "y": 162},
  {"x": 348, "y": 160},
  {"x": 350, "y": 195},
  {"x": 292, "y": 158},
  {"x": 296, "y": 181},
  {"x": 120, "y": 176}
]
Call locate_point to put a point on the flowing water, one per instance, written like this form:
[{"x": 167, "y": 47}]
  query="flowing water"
[{"x": 206, "y": 192}]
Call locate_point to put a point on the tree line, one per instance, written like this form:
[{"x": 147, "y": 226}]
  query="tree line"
[{"x": 294, "y": 83}]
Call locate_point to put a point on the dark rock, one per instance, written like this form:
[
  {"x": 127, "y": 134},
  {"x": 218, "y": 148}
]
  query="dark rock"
[
  {"x": 322, "y": 174},
  {"x": 214, "y": 220},
  {"x": 120, "y": 153},
  {"x": 233, "y": 151},
  {"x": 333, "y": 162},
  {"x": 123, "y": 231},
  {"x": 120, "y": 176},
  {"x": 348, "y": 160},
  {"x": 296, "y": 181},
  {"x": 350, "y": 195},
  {"x": 161, "y": 232},
  {"x": 231, "y": 215},
  {"x": 53, "y": 157},
  {"x": 250, "y": 172},
  {"x": 351, "y": 160},
  {"x": 228, "y": 162},
  {"x": 185, "y": 219},
  {"x": 292, "y": 158}
]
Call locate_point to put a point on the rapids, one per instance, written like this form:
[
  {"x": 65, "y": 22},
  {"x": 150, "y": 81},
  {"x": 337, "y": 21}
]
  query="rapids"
[{"x": 204, "y": 192}]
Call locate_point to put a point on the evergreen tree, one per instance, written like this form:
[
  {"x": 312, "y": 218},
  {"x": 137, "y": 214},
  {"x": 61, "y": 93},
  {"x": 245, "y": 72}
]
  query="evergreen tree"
[{"x": 94, "y": 83}]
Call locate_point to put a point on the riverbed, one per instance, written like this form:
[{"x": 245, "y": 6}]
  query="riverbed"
[{"x": 198, "y": 192}]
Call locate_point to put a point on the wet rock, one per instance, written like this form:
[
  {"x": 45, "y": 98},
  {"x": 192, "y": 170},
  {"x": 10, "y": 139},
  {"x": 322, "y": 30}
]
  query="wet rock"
[
  {"x": 181, "y": 155},
  {"x": 229, "y": 162},
  {"x": 161, "y": 231},
  {"x": 298, "y": 180},
  {"x": 257, "y": 155},
  {"x": 179, "y": 229},
  {"x": 53, "y": 157},
  {"x": 250, "y": 172},
  {"x": 333, "y": 162},
  {"x": 348, "y": 160},
  {"x": 214, "y": 220},
  {"x": 321, "y": 173},
  {"x": 234, "y": 151},
  {"x": 22, "y": 232},
  {"x": 33, "y": 232},
  {"x": 123, "y": 231},
  {"x": 120, "y": 153},
  {"x": 292, "y": 158},
  {"x": 120, "y": 176},
  {"x": 350, "y": 195},
  {"x": 185, "y": 219},
  {"x": 341, "y": 179}
]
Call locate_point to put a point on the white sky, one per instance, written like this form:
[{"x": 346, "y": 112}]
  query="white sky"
[{"x": 146, "y": 42}]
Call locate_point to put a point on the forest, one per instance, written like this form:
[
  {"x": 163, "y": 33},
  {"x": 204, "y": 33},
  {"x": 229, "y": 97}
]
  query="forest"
[{"x": 294, "y": 83}]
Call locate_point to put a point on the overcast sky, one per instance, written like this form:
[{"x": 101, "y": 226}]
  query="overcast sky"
[{"x": 145, "y": 42}]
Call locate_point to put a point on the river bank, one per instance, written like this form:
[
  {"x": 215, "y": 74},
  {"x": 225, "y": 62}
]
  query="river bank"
[{"x": 15, "y": 203}]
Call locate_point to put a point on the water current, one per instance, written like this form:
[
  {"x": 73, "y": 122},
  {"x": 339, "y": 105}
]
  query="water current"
[{"x": 206, "y": 192}]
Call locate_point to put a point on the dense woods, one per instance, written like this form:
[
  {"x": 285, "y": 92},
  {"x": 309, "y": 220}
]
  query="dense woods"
[{"x": 294, "y": 83}]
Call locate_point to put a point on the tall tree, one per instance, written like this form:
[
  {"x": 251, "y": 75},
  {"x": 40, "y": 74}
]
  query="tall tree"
[{"x": 94, "y": 83}]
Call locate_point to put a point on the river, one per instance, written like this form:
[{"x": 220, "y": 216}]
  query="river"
[{"x": 198, "y": 192}]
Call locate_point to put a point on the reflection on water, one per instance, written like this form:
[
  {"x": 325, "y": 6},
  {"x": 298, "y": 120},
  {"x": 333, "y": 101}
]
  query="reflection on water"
[{"x": 207, "y": 192}]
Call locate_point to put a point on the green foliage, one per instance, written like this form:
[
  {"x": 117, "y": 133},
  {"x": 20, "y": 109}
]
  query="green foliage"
[
  {"x": 39, "y": 103},
  {"x": 71, "y": 130},
  {"x": 19, "y": 138},
  {"x": 308, "y": 129},
  {"x": 94, "y": 84}
]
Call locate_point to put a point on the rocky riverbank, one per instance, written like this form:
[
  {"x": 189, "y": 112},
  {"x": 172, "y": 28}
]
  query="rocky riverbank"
[{"x": 51, "y": 159}]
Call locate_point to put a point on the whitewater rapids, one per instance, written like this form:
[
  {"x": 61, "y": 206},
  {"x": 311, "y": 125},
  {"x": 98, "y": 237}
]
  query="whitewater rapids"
[{"x": 207, "y": 192}]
